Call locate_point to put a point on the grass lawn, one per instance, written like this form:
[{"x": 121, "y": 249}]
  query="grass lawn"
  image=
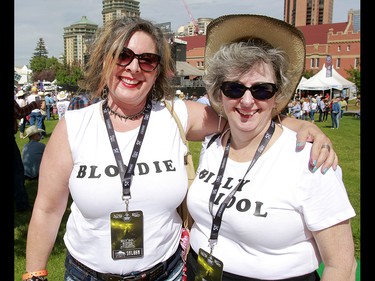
[{"x": 346, "y": 142}]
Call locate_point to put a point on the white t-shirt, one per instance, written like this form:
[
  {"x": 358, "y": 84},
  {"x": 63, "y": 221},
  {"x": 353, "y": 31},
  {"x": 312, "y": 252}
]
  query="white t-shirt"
[
  {"x": 266, "y": 228},
  {"x": 159, "y": 185}
]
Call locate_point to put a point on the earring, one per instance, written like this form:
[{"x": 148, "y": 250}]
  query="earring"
[
  {"x": 220, "y": 117},
  {"x": 153, "y": 93},
  {"x": 104, "y": 93}
]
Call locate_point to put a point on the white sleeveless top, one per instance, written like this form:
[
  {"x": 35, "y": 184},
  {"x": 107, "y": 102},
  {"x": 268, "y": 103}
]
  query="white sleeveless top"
[{"x": 158, "y": 187}]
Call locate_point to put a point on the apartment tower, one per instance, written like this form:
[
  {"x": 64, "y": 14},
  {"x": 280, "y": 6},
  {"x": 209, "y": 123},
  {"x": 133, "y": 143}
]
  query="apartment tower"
[
  {"x": 308, "y": 12},
  {"x": 115, "y": 9}
]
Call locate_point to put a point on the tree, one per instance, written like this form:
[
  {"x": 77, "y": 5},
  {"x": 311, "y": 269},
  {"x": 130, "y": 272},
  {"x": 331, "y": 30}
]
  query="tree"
[
  {"x": 308, "y": 74},
  {"x": 355, "y": 77},
  {"x": 40, "y": 50}
]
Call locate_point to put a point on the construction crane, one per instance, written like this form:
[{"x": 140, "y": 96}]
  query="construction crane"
[{"x": 193, "y": 21}]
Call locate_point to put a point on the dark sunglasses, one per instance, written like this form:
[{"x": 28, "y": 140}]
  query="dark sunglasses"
[
  {"x": 261, "y": 91},
  {"x": 147, "y": 61}
]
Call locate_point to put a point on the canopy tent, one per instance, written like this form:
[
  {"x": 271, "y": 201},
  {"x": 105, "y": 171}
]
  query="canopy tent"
[
  {"x": 185, "y": 69},
  {"x": 320, "y": 82}
]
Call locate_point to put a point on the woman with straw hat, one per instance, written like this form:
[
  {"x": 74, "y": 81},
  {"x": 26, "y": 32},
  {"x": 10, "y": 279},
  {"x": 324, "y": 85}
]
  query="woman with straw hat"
[{"x": 259, "y": 213}]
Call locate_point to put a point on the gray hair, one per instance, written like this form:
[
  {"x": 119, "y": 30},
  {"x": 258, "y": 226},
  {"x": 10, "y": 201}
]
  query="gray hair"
[{"x": 235, "y": 59}]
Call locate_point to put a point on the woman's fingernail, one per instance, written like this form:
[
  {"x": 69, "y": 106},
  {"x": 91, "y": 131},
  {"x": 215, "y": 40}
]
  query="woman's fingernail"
[
  {"x": 314, "y": 163},
  {"x": 314, "y": 169},
  {"x": 325, "y": 171},
  {"x": 298, "y": 146}
]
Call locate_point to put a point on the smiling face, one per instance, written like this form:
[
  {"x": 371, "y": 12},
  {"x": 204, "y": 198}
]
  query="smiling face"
[
  {"x": 247, "y": 114},
  {"x": 130, "y": 84}
]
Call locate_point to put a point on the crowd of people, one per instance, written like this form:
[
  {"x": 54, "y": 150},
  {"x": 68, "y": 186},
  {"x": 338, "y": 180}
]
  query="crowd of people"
[
  {"x": 306, "y": 108},
  {"x": 121, "y": 159}
]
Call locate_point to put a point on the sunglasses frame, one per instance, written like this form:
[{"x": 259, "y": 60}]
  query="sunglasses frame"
[
  {"x": 228, "y": 92},
  {"x": 141, "y": 59}
]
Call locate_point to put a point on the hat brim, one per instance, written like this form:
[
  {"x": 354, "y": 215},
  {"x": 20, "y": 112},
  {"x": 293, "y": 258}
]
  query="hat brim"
[
  {"x": 33, "y": 133},
  {"x": 279, "y": 34}
]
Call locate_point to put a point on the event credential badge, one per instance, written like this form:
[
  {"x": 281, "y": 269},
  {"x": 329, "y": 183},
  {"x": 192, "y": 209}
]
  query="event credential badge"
[
  {"x": 127, "y": 234},
  {"x": 209, "y": 268}
]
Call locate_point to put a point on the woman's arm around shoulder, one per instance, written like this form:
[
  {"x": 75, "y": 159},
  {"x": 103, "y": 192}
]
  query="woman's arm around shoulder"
[{"x": 202, "y": 121}]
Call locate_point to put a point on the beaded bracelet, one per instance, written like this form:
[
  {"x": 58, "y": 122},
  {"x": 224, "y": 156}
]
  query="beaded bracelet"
[{"x": 30, "y": 275}]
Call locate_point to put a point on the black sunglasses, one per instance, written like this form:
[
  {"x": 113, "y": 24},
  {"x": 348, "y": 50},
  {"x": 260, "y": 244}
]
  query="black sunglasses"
[
  {"x": 261, "y": 91},
  {"x": 147, "y": 61}
]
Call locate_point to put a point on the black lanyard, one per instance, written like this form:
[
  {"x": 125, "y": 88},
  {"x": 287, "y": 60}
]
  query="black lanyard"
[
  {"x": 126, "y": 175},
  {"x": 217, "y": 219}
]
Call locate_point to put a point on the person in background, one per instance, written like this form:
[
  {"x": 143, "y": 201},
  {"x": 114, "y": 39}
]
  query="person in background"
[
  {"x": 43, "y": 111},
  {"x": 296, "y": 109},
  {"x": 62, "y": 103},
  {"x": 259, "y": 213},
  {"x": 49, "y": 104},
  {"x": 32, "y": 152},
  {"x": 80, "y": 101},
  {"x": 21, "y": 198},
  {"x": 321, "y": 108},
  {"x": 313, "y": 107},
  {"x": 35, "y": 115},
  {"x": 204, "y": 99},
  {"x": 335, "y": 112},
  {"x": 344, "y": 106},
  {"x": 21, "y": 100},
  {"x": 122, "y": 161},
  {"x": 326, "y": 109}
]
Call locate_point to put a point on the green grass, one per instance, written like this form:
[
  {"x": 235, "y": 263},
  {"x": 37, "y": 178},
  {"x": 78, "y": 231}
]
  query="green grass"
[{"x": 346, "y": 142}]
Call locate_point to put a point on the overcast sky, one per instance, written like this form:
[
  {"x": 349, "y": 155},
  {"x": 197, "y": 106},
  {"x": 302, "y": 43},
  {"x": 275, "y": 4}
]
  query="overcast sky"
[{"x": 46, "y": 19}]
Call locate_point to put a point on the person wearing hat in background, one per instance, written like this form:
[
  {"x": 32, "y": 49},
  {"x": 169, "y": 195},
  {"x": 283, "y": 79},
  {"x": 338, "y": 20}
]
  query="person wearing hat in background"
[
  {"x": 259, "y": 213},
  {"x": 35, "y": 115},
  {"x": 62, "y": 103},
  {"x": 127, "y": 143},
  {"x": 21, "y": 198},
  {"x": 32, "y": 152},
  {"x": 21, "y": 100}
]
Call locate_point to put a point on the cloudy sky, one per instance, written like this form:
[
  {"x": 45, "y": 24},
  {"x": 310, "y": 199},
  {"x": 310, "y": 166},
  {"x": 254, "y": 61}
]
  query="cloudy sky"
[{"x": 46, "y": 19}]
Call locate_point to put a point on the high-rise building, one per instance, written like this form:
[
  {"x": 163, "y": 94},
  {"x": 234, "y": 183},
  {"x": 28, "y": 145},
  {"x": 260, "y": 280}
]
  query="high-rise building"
[
  {"x": 114, "y": 9},
  {"x": 308, "y": 12},
  {"x": 77, "y": 38}
]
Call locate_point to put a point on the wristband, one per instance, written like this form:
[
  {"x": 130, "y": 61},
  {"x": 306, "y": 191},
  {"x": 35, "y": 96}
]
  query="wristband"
[{"x": 29, "y": 275}]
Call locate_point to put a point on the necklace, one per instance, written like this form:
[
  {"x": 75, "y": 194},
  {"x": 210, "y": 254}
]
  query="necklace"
[{"x": 130, "y": 117}]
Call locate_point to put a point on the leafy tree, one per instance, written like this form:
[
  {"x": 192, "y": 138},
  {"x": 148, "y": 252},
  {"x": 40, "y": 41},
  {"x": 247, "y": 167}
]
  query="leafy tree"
[
  {"x": 69, "y": 75},
  {"x": 308, "y": 74},
  {"x": 355, "y": 77}
]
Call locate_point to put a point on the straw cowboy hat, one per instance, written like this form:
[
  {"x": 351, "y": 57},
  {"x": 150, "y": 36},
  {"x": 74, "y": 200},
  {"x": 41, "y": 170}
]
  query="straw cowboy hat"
[
  {"x": 279, "y": 34},
  {"x": 62, "y": 95},
  {"x": 20, "y": 93},
  {"x": 34, "y": 89},
  {"x": 32, "y": 130}
]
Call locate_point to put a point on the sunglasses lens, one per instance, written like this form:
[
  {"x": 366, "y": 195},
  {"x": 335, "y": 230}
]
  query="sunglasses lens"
[
  {"x": 147, "y": 61},
  {"x": 263, "y": 91},
  {"x": 125, "y": 57},
  {"x": 233, "y": 90}
]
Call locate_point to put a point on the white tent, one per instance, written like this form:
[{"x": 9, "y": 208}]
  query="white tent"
[{"x": 321, "y": 82}]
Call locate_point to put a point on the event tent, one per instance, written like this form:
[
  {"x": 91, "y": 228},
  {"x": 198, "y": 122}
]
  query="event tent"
[{"x": 320, "y": 82}]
